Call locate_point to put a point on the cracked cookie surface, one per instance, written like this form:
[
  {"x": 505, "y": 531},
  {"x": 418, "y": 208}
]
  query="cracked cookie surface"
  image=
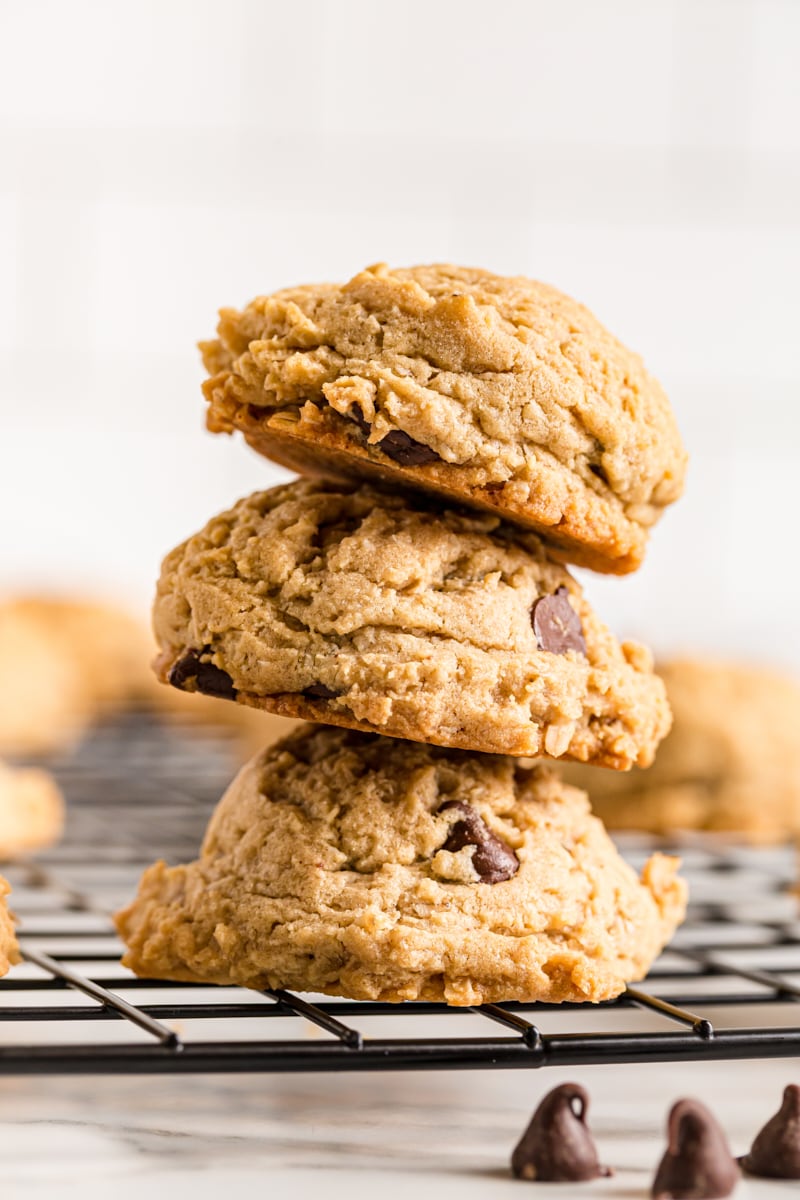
[
  {"x": 336, "y": 863},
  {"x": 495, "y": 391},
  {"x": 731, "y": 762},
  {"x": 343, "y": 604}
]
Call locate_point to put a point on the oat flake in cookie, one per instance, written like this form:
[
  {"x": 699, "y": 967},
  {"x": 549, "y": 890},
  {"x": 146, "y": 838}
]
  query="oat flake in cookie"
[
  {"x": 326, "y": 868},
  {"x": 492, "y": 391},
  {"x": 342, "y": 604}
]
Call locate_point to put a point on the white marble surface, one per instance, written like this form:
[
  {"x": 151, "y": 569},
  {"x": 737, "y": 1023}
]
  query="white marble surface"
[{"x": 352, "y": 1136}]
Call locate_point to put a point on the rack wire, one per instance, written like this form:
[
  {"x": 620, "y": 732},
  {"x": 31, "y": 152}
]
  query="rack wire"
[{"x": 138, "y": 789}]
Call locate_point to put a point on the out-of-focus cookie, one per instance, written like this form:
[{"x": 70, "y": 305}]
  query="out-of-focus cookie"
[
  {"x": 385, "y": 870},
  {"x": 9, "y": 950},
  {"x": 63, "y": 662},
  {"x": 492, "y": 391},
  {"x": 731, "y": 762},
  {"x": 343, "y": 604},
  {"x": 31, "y": 811}
]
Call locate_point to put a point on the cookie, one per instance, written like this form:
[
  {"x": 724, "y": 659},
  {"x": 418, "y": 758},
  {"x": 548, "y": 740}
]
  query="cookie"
[
  {"x": 497, "y": 392},
  {"x": 9, "y": 950},
  {"x": 31, "y": 811},
  {"x": 731, "y": 762},
  {"x": 355, "y": 865},
  {"x": 63, "y": 663},
  {"x": 345, "y": 605}
]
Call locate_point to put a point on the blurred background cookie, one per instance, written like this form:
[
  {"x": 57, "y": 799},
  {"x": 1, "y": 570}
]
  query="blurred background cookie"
[
  {"x": 31, "y": 810},
  {"x": 731, "y": 762}
]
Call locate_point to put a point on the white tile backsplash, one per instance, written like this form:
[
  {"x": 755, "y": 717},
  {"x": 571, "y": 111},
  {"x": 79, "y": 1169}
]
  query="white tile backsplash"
[{"x": 162, "y": 160}]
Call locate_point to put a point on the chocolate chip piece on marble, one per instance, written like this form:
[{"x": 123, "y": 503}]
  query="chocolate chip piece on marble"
[
  {"x": 557, "y": 1146},
  {"x": 697, "y": 1164},
  {"x": 556, "y": 624},
  {"x": 493, "y": 860},
  {"x": 208, "y": 679},
  {"x": 775, "y": 1153},
  {"x": 404, "y": 450},
  {"x": 318, "y": 691}
]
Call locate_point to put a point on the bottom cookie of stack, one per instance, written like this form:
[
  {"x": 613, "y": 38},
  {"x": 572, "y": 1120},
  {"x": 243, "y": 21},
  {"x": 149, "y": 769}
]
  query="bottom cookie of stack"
[{"x": 362, "y": 866}]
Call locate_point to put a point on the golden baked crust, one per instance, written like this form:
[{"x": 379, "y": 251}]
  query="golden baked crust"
[
  {"x": 9, "y": 950},
  {"x": 31, "y": 811},
  {"x": 730, "y": 764},
  {"x": 495, "y": 391},
  {"x": 347, "y": 605},
  {"x": 330, "y": 866}
]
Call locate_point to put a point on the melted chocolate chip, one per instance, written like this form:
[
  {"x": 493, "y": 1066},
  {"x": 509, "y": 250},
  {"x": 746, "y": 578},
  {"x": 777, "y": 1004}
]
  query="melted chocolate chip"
[
  {"x": 403, "y": 449},
  {"x": 208, "y": 679},
  {"x": 557, "y": 1146},
  {"x": 493, "y": 860},
  {"x": 356, "y": 414},
  {"x": 556, "y": 624},
  {"x": 318, "y": 691},
  {"x": 697, "y": 1164},
  {"x": 775, "y": 1153}
]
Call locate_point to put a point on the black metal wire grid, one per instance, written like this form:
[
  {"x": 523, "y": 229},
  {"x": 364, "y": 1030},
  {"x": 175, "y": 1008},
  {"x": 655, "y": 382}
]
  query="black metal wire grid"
[{"x": 726, "y": 988}]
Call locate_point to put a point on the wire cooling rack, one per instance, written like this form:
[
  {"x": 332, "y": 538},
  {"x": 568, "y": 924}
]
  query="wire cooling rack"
[{"x": 139, "y": 789}]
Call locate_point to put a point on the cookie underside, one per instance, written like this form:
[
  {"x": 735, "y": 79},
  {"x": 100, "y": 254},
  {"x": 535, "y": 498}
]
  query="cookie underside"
[{"x": 321, "y": 449}]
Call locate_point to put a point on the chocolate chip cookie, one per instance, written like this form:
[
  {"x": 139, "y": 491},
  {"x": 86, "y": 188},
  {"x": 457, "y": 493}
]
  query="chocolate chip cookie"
[
  {"x": 346, "y": 605},
  {"x": 497, "y": 392},
  {"x": 731, "y": 762},
  {"x": 31, "y": 811},
  {"x": 355, "y": 865}
]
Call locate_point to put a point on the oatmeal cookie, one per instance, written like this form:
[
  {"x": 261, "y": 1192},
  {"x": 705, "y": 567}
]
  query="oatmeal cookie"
[
  {"x": 346, "y": 605},
  {"x": 351, "y": 864},
  {"x": 493, "y": 391}
]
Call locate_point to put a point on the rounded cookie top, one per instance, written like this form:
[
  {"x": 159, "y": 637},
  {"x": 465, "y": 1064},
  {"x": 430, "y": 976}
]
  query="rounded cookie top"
[
  {"x": 498, "y": 391},
  {"x": 347, "y": 863},
  {"x": 730, "y": 763},
  {"x": 343, "y": 604}
]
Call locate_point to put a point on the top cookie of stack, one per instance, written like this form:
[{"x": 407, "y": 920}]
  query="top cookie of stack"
[{"x": 498, "y": 393}]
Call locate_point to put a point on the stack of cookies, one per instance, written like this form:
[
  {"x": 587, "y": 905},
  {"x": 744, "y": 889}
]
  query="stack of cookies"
[{"x": 462, "y": 436}]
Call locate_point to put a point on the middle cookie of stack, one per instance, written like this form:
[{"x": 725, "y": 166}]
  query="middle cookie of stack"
[{"x": 342, "y": 604}]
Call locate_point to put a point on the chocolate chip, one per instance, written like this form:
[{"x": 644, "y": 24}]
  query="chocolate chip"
[
  {"x": 597, "y": 470},
  {"x": 556, "y": 624},
  {"x": 208, "y": 679},
  {"x": 356, "y": 414},
  {"x": 493, "y": 860},
  {"x": 557, "y": 1146},
  {"x": 318, "y": 691},
  {"x": 404, "y": 450},
  {"x": 697, "y": 1164},
  {"x": 775, "y": 1153}
]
